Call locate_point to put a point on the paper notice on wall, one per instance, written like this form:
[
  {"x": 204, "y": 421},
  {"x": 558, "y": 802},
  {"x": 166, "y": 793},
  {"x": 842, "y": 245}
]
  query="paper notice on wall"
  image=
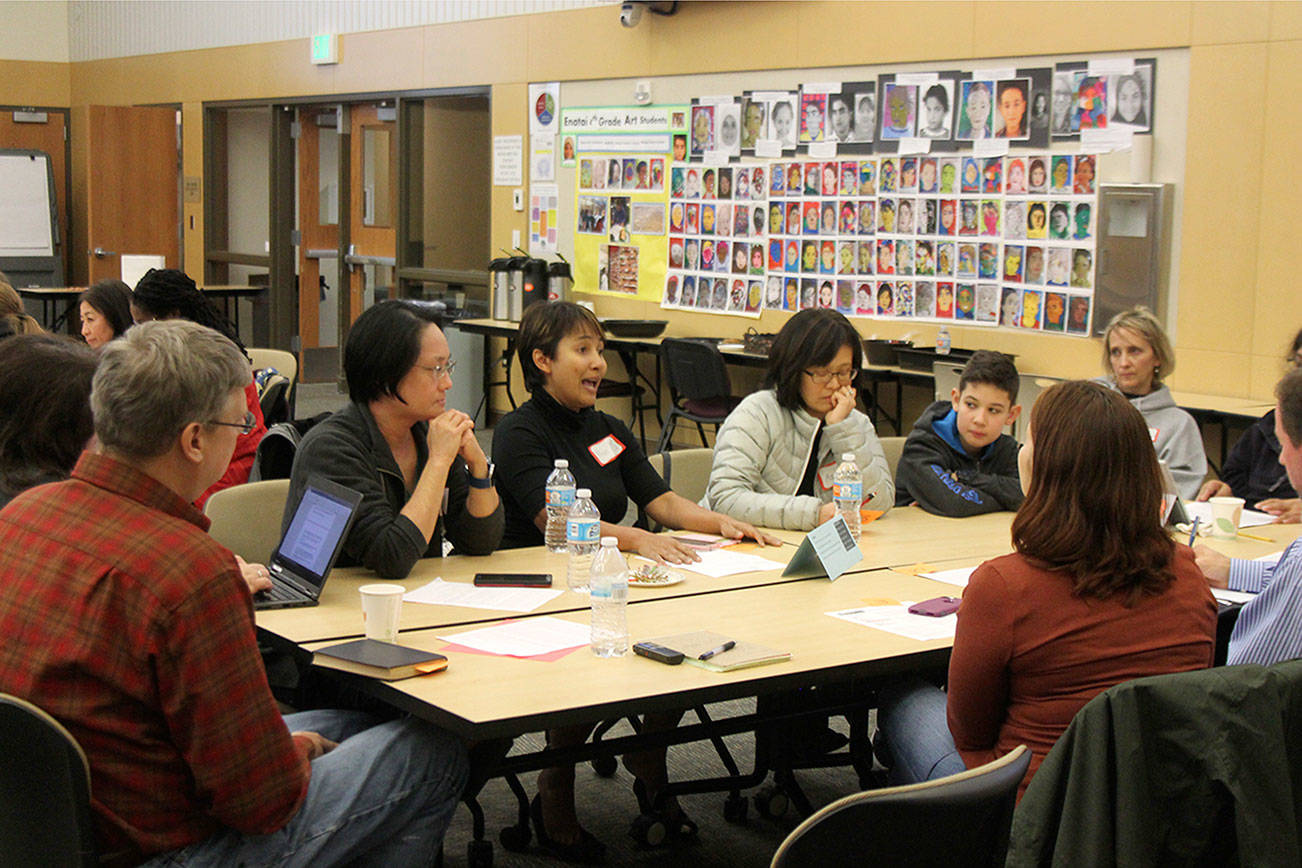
[
  {"x": 542, "y": 158},
  {"x": 508, "y": 161},
  {"x": 544, "y": 107},
  {"x": 543, "y": 201}
]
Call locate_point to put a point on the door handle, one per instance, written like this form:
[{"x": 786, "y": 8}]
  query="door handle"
[{"x": 100, "y": 252}]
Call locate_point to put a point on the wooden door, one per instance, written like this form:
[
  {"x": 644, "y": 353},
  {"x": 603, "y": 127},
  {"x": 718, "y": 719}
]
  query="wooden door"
[
  {"x": 131, "y": 187},
  {"x": 49, "y": 136},
  {"x": 374, "y": 207},
  {"x": 319, "y": 231}
]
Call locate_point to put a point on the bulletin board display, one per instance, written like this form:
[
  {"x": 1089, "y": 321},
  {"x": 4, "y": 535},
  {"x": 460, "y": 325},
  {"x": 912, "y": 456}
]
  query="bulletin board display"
[
  {"x": 1021, "y": 274},
  {"x": 994, "y": 241},
  {"x": 620, "y": 240}
]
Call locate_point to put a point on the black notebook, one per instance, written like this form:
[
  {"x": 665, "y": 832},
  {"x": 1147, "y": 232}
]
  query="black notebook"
[{"x": 381, "y": 660}]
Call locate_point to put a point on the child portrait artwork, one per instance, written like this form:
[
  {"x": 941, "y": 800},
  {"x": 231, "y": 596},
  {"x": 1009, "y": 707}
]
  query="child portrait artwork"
[
  {"x": 899, "y": 110},
  {"x": 813, "y": 115},
  {"x": 937, "y": 111},
  {"x": 1064, "y": 119},
  {"x": 1012, "y": 104},
  {"x": 754, "y": 116},
  {"x": 1130, "y": 98},
  {"x": 976, "y": 111},
  {"x": 782, "y": 122},
  {"x": 702, "y": 129},
  {"x": 864, "y": 98}
]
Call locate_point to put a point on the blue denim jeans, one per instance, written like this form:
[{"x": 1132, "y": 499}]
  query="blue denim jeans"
[
  {"x": 384, "y": 796},
  {"x": 914, "y": 733}
]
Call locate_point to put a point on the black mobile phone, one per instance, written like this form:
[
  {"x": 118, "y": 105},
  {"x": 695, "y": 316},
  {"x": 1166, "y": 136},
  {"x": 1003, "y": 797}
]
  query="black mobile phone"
[
  {"x": 659, "y": 653},
  {"x": 513, "y": 580}
]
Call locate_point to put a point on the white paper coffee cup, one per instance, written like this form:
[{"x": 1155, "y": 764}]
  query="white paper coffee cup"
[
  {"x": 381, "y": 610},
  {"x": 1226, "y": 512}
]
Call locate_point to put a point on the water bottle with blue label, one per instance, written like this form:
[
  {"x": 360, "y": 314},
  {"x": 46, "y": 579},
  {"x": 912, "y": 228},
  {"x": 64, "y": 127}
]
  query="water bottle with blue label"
[
  {"x": 560, "y": 497},
  {"x": 847, "y": 490},
  {"x": 582, "y": 537}
]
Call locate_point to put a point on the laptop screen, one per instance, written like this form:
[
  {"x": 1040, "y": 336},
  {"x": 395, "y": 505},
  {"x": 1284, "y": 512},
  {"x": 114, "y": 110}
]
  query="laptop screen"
[{"x": 317, "y": 530}]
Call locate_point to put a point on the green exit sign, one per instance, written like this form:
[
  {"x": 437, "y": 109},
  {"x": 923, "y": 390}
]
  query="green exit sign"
[{"x": 325, "y": 48}]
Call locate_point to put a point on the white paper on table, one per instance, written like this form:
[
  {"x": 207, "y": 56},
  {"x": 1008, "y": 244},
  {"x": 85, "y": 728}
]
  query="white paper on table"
[
  {"x": 1202, "y": 510},
  {"x": 898, "y": 620},
  {"x": 441, "y": 593},
  {"x": 1224, "y": 595},
  {"x": 951, "y": 577},
  {"x": 528, "y": 637},
  {"x": 1271, "y": 558},
  {"x": 718, "y": 563}
]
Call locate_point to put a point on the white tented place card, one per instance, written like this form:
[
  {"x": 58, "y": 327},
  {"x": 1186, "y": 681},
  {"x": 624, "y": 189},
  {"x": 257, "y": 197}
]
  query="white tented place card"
[{"x": 827, "y": 550}]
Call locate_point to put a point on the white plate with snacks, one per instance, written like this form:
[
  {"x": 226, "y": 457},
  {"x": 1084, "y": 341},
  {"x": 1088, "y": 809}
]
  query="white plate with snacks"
[{"x": 648, "y": 575}]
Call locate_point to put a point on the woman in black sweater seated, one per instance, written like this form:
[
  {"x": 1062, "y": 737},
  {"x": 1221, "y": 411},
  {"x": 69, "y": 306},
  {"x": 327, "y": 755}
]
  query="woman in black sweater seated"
[
  {"x": 402, "y": 447},
  {"x": 560, "y": 348}
]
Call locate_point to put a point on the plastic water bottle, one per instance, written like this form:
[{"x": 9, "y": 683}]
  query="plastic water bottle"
[
  {"x": 847, "y": 489},
  {"x": 943, "y": 341},
  {"x": 582, "y": 536},
  {"x": 609, "y": 597},
  {"x": 560, "y": 497}
]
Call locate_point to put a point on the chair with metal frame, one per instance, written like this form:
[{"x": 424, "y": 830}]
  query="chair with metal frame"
[
  {"x": 45, "y": 815},
  {"x": 963, "y": 819},
  {"x": 699, "y": 389}
]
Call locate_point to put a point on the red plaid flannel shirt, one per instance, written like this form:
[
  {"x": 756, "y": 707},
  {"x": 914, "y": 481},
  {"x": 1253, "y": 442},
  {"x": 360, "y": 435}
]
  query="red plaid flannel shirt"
[{"x": 123, "y": 619}]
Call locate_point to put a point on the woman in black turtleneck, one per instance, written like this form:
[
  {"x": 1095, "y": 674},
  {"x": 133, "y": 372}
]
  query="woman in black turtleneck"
[{"x": 560, "y": 347}]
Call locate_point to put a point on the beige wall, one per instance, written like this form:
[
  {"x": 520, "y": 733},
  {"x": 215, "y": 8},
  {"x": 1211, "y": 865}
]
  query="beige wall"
[{"x": 1237, "y": 305}]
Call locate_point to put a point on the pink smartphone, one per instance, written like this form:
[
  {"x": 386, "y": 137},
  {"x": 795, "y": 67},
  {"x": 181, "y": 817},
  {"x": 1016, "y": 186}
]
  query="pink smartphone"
[{"x": 936, "y": 607}]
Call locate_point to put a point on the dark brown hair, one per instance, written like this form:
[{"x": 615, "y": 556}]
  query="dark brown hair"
[
  {"x": 1093, "y": 510},
  {"x": 993, "y": 369},
  {"x": 810, "y": 338},
  {"x": 45, "y": 390},
  {"x": 1289, "y": 393},
  {"x": 543, "y": 327}
]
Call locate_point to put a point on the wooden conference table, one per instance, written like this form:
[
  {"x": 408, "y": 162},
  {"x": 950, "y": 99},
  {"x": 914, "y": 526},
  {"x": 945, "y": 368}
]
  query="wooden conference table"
[
  {"x": 482, "y": 697},
  {"x": 470, "y": 699}
]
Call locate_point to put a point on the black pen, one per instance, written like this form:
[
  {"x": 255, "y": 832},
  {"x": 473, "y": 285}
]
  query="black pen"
[{"x": 726, "y": 646}]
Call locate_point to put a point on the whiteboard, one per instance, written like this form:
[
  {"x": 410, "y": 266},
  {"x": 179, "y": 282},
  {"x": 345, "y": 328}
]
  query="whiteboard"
[{"x": 26, "y": 227}]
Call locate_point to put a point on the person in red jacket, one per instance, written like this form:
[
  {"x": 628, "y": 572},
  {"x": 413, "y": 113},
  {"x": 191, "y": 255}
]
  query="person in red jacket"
[{"x": 165, "y": 293}]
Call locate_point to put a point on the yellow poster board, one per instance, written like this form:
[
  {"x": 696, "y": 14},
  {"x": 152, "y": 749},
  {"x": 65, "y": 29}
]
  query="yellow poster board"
[{"x": 620, "y": 238}]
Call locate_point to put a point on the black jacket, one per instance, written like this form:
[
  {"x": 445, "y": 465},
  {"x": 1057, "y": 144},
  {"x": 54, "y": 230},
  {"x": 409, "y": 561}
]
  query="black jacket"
[
  {"x": 1252, "y": 469},
  {"x": 938, "y": 474},
  {"x": 348, "y": 449}
]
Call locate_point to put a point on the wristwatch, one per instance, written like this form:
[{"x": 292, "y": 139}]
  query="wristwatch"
[{"x": 485, "y": 482}]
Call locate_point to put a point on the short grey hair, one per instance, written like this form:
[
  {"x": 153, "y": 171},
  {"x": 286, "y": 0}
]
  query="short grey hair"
[{"x": 159, "y": 377}]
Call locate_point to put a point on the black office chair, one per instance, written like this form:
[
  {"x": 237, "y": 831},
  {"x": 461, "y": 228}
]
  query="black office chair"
[
  {"x": 45, "y": 817},
  {"x": 955, "y": 821},
  {"x": 699, "y": 390}
]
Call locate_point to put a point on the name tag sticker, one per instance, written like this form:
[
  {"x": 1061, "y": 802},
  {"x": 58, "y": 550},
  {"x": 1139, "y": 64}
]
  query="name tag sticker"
[
  {"x": 606, "y": 450},
  {"x": 1153, "y": 432}
]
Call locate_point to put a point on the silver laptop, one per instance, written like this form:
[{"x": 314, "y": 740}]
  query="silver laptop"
[{"x": 308, "y": 550}]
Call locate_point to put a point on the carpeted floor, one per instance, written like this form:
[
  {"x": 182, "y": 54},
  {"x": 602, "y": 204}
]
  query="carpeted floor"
[{"x": 607, "y": 807}]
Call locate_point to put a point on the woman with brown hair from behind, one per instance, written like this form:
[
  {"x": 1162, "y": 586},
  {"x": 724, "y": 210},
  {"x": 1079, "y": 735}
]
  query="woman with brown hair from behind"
[{"x": 1095, "y": 594}]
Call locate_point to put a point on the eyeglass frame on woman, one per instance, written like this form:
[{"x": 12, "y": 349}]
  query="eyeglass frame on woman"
[
  {"x": 246, "y": 427},
  {"x": 438, "y": 370},
  {"x": 824, "y": 377}
]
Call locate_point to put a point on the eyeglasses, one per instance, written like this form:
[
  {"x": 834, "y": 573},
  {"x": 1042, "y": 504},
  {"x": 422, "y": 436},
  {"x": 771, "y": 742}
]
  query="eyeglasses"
[
  {"x": 438, "y": 370},
  {"x": 245, "y": 427},
  {"x": 822, "y": 378}
]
